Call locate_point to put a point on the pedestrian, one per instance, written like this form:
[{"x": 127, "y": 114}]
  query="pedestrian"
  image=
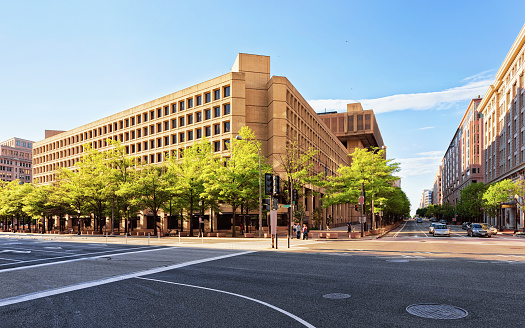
[
  {"x": 298, "y": 230},
  {"x": 349, "y": 226},
  {"x": 241, "y": 228},
  {"x": 305, "y": 232}
]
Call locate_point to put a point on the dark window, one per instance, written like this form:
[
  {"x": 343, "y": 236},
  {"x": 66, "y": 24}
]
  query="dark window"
[
  {"x": 226, "y": 92},
  {"x": 199, "y": 100},
  {"x": 216, "y": 111},
  {"x": 159, "y": 142},
  {"x": 145, "y": 131},
  {"x": 174, "y": 108},
  {"x": 173, "y": 139},
  {"x": 132, "y": 148},
  {"x": 159, "y": 127},
  {"x": 181, "y": 137},
  {"x": 152, "y": 115},
  {"x": 151, "y": 129},
  {"x": 152, "y": 144},
  {"x": 181, "y": 105},
  {"x": 159, "y": 112},
  {"x": 207, "y": 97},
  {"x": 216, "y": 94},
  {"x": 199, "y": 133},
  {"x": 199, "y": 116},
  {"x": 173, "y": 123},
  {"x": 217, "y": 129},
  {"x": 139, "y": 133},
  {"x": 138, "y": 119},
  {"x": 217, "y": 146},
  {"x": 226, "y": 109},
  {"x": 226, "y": 145},
  {"x": 145, "y": 145},
  {"x": 166, "y": 125},
  {"x": 181, "y": 121},
  {"x": 190, "y": 103},
  {"x": 190, "y": 135},
  {"x": 166, "y": 110},
  {"x": 166, "y": 141},
  {"x": 159, "y": 157},
  {"x": 139, "y": 147},
  {"x": 132, "y": 121},
  {"x": 207, "y": 131},
  {"x": 190, "y": 119},
  {"x": 226, "y": 127},
  {"x": 145, "y": 117},
  {"x": 207, "y": 114}
]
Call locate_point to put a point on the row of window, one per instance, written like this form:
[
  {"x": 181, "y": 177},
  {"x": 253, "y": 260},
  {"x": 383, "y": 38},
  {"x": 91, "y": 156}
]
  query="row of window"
[{"x": 151, "y": 115}]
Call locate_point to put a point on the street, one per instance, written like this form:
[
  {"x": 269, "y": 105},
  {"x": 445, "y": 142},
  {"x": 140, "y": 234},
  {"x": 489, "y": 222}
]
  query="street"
[{"x": 473, "y": 282}]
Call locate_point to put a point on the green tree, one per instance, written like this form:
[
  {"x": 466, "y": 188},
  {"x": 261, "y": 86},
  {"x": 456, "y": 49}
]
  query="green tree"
[
  {"x": 235, "y": 180},
  {"x": 497, "y": 193},
  {"x": 150, "y": 189},
  {"x": 397, "y": 205},
  {"x": 187, "y": 179},
  {"x": 470, "y": 204},
  {"x": 370, "y": 168}
]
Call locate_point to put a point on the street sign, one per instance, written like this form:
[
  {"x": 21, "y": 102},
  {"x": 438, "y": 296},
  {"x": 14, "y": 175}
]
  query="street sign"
[
  {"x": 361, "y": 200},
  {"x": 287, "y": 206}
]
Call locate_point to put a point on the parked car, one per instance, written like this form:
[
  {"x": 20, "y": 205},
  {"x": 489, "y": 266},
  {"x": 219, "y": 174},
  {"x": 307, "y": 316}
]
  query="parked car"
[
  {"x": 493, "y": 229},
  {"x": 419, "y": 220},
  {"x": 431, "y": 227},
  {"x": 465, "y": 225},
  {"x": 441, "y": 230},
  {"x": 444, "y": 221},
  {"x": 433, "y": 219},
  {"x": 478, "y": 229}
]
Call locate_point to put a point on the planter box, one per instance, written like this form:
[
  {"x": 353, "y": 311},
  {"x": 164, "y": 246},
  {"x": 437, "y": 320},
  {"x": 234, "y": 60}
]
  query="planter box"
[
  {"x": 332, "y": 235},
  {"x": 249, "y": 235},
  {"x": 355, "y": 235},
  {"x": 183, "y": 234},
  {"x": 211, "y": 234},
  {"x": 221, "y": 234},
  {"x": 322, "y": 235}
]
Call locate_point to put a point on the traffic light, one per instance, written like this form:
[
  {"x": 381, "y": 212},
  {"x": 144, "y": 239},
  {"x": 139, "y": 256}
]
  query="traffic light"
[
  {"x": 268, "y": 183},
  {"x": 295, "y": 196},
  {"x": 276, "y": 185},
  {"x": 357, "y": 208},
  {"x": 275, "y": 203},
  {"x": 266, "y": 204}
]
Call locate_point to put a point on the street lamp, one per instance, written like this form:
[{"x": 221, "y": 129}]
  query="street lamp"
[
  {"x": 78, "y": 218},
  {"x": 239, "y": 137}
]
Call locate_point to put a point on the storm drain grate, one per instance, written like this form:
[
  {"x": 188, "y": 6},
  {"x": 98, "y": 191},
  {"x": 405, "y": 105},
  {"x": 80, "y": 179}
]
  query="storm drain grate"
[
  {"x": 437, "y": 311},
  {"x": 336, "y": 296}
]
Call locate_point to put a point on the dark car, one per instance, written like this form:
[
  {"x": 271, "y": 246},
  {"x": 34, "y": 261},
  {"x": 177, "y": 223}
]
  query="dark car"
[
  {"x": 419, "y": 220},
  {"x": 478, "y": 229}
]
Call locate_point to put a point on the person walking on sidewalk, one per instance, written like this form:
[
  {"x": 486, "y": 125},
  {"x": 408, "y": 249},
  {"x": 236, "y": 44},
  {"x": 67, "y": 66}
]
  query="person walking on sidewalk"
[
  {"x": 298, "y": 230},
  {"x": 305, "y": 232}
]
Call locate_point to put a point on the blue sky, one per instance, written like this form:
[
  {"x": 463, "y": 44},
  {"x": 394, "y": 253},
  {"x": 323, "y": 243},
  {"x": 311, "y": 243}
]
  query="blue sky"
[{"x": 416, "y": 63}]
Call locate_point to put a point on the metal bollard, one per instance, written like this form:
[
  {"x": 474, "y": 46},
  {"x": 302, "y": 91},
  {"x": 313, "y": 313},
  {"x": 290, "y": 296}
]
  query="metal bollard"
[{"x": 148, "y": 238}]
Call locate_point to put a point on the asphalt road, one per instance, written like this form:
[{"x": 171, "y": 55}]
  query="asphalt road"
[{"x": 57, "y": 284}]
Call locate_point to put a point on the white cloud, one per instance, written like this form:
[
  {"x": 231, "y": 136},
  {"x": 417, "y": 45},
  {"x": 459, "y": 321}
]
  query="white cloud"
[
  {"x": 416, "y": 166},
  {"x": 426, "y": 128},
  {"x": 475, "y": 86}
]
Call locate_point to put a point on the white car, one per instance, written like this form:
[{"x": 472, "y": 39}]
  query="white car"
[
  {"x": 441, "y": 230},
  {"x": 431, "y": 227},
  {"x": 493, "y": 230}
]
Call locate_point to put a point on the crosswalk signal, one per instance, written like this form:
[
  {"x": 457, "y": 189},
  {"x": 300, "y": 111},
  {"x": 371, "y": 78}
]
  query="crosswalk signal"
[
  {"x": 266, "y": 204},
  {"x": 268, "y": 184},
  {"x": 276, "y": 185},
  {"x": 275, "y": 203}
]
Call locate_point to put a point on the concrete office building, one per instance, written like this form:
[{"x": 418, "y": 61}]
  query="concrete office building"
[
  {"x": 426, "y": 198},
  {"x": 215, "y": 109},
  {"x": 503, "y": 109},
  {"x": 437, "y": 197},
  {"x": 16, "y": 157}
]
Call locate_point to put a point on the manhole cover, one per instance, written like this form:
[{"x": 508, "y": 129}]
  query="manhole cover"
[
  {"x": 336, "y": 296},
  {"x": 437, "y": 311}
]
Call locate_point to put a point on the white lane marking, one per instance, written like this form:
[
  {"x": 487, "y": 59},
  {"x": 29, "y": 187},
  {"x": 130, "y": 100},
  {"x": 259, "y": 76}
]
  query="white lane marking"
[
  {"x": 73, "y": 260},
  {"x": 67, "y": 289},
  {"x": 293, "y": 316},
  {"x": 403, "y": 227},
  {"x": 13, "y": 251}
]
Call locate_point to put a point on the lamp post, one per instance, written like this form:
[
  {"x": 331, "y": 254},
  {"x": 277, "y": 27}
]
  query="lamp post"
[
  {"x": 78, "y": 218},
  {"x": 239, "y": 137}
]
